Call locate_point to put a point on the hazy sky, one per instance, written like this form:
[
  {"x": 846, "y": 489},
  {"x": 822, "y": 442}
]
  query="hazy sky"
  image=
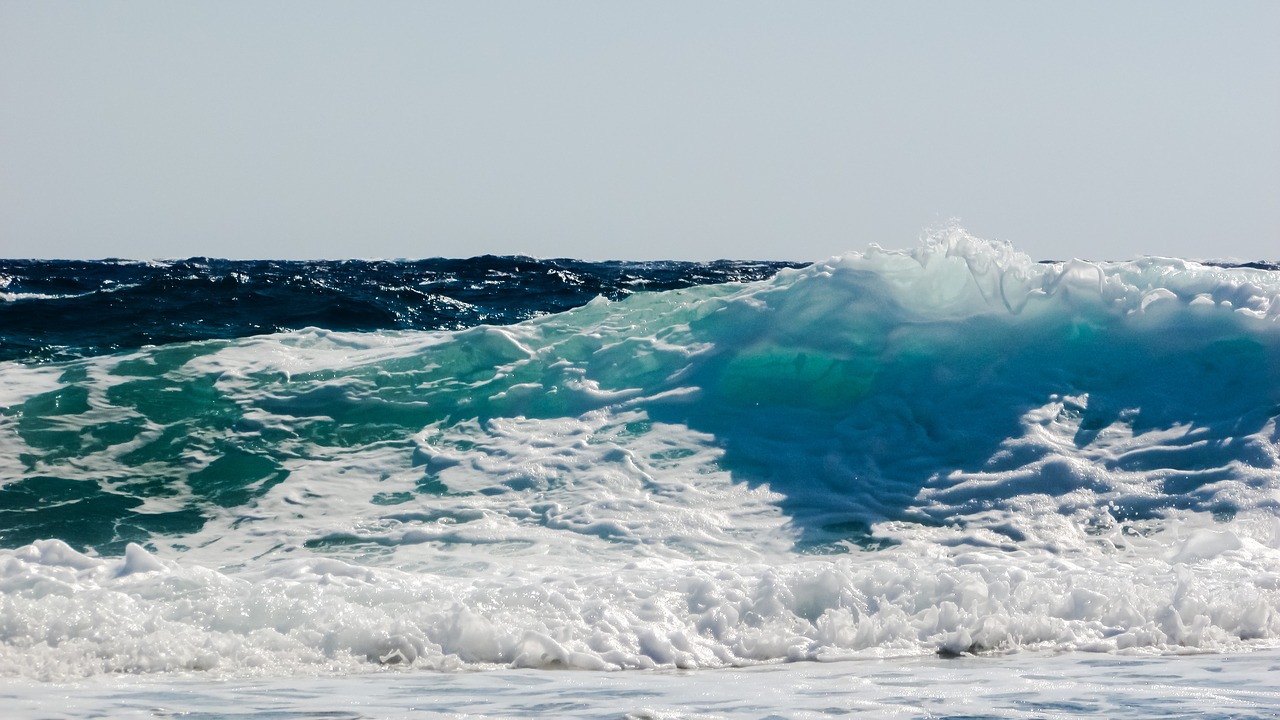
[{"x": 639, "y": 130}]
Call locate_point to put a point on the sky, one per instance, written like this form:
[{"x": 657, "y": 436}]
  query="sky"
[{"x": 637, "y": 130}]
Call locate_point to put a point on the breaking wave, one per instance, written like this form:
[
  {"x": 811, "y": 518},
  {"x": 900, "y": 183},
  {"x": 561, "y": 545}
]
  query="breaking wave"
[{"x": 944, "y": 450}]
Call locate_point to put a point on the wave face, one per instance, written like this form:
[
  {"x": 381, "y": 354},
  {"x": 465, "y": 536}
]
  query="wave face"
[{"x": 945, "y": 450}]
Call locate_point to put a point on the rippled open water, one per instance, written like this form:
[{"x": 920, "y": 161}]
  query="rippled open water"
[{"x": 945, "y": 481}]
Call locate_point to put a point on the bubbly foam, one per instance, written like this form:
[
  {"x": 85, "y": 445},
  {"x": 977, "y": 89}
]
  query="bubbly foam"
[{"x": 66, "y": 614}]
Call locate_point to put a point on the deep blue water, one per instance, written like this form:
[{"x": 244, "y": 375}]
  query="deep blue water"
[{"x": 61, "y": 309}]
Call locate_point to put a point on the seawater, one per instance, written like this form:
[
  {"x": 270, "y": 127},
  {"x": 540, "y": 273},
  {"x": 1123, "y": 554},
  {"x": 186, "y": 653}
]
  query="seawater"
[
  {"x": 1026, "y": 685},
  {"x": 945, "y": 462}
]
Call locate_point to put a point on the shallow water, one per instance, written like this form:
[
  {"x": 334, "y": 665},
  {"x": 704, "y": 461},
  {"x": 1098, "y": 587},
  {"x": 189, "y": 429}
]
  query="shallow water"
[{"x": 1027, "y": 685}]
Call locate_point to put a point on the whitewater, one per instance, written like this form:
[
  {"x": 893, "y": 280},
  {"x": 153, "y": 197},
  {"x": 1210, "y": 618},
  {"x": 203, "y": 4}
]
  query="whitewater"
[{"x": 911, "y": 483}]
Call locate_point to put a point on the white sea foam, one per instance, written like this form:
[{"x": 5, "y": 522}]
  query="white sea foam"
[{"x": 66, "y": 614}]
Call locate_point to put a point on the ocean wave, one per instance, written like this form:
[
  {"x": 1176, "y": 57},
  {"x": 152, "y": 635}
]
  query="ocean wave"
[{"x": 947, "y": 449}]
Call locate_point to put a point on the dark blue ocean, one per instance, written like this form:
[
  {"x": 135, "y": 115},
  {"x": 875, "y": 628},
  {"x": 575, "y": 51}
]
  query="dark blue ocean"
[
  {"x": 944, "y": 481},
  {"x": 61, "y": 309}
]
